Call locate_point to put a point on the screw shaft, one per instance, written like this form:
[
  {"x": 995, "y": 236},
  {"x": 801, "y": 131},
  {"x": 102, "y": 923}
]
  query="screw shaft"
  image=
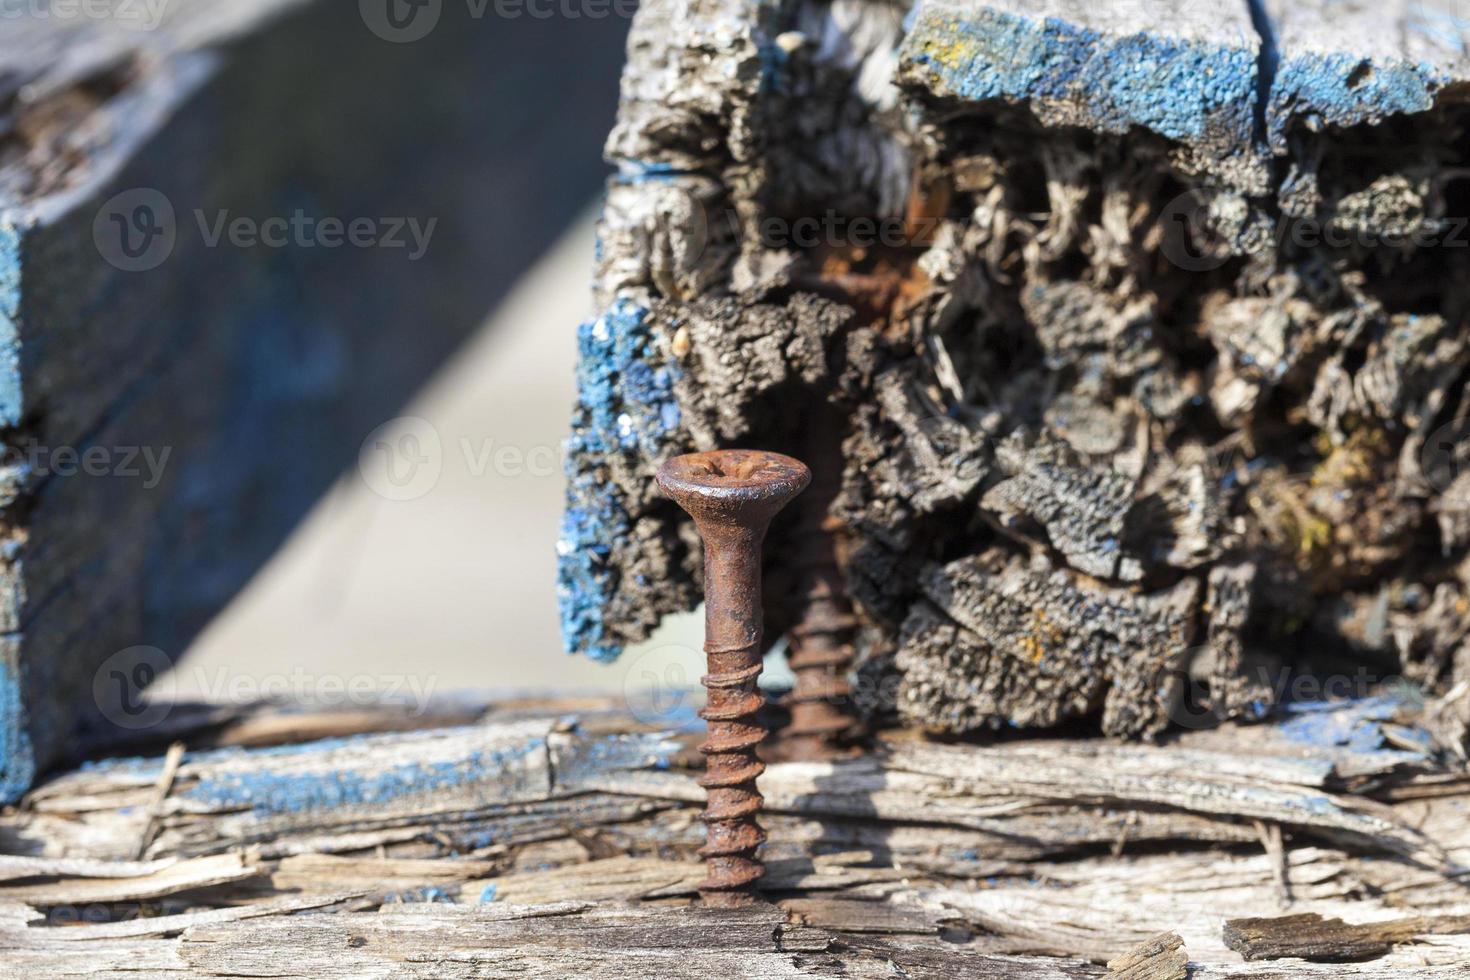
[
  {"x": 732, "y": 496},
  {"x": 733, "y": 653}
]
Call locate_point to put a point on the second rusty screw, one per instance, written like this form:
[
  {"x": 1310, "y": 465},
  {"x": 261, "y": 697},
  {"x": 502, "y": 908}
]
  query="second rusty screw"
[
  {"x": 732, "y": 496},
  {"x": 820, "y": 648}
]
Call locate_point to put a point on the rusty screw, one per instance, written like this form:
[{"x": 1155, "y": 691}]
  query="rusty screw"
[
  {"x": 732, "y": 496},
  {"x": 820, "y": 649}
]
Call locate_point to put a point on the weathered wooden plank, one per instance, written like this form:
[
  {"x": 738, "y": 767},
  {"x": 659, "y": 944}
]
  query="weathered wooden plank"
[
  {"x": 504, "y": 787},
  {"x": 383, "y": 879},
  {"x": 1184, "y": 779},
  {"x": 1351, "y": 62},
  {"x": 108, "y": 959},
  {"x": 845, "y": 910},
  {"x": 1005, "y": 789},
  {"x": 1076, "y": 910},
  {"x": 411, "y": 784},
  {"x": 608, "y": 942},
  {"x": 305, "y": 350},
  {"x": 183, "y": 876},
  {"x": 171, "y": 925},
  {"x": 447, "y": 941},
  {"x": 1175, "y": 68},
  {"x": 15, "y": 866}
]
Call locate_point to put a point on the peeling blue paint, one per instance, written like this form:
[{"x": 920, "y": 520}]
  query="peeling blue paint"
[
  {"x": 17, "y": 757},
  {"x": 487, "y": 894},
  {"x": 1343, "y": 89},
  {"x": 429, "y": 894},
  {"x": 613, "y": 753},
  {"x": 10, "y": 276},
  {"x": 593, "y": 519},
  {"x": 1355, "y": 725},
  {"x": 775, "y": 65},
  {"x": 625, "y": 405},
  {"x": 146, "y": 766},
  {"x": 287, "y": 792},
  {"x": 1181, "y": 89},
  {"x": 647, "y": 172}
]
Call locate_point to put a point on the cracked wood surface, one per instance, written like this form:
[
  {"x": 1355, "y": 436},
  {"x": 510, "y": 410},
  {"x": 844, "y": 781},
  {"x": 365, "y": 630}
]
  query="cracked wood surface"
[{"x": 530, "y": 848}]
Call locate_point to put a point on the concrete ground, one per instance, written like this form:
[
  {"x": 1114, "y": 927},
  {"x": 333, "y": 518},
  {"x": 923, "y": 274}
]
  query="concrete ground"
[{"x": 432, "y": 568}]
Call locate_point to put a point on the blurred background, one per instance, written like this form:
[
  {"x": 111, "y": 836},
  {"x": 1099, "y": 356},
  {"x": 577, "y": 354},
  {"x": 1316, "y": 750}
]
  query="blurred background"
[{"x": 445, "y": 580}]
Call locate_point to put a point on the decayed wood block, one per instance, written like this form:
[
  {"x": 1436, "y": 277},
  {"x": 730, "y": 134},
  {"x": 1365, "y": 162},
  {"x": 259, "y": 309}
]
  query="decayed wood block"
[
  {"x": 214, "y": 391},
  {"x": 1310, "y": 937},
  {"x": 1119, "y": 305}
]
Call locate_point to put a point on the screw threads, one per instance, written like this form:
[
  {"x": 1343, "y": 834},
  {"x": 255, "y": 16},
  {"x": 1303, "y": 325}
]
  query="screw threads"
[
  {"x": 732, "y": 496},
  {"x": 731, "y": 767},
  {"x": 820, "y": 640},
  {"x": 820, "y": 650}
]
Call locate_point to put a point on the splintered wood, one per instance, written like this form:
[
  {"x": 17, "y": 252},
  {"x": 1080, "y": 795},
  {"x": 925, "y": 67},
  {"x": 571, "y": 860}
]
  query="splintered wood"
[
  {"x": 531, "y": 846},
  {"x": 1145, "y": 323}
]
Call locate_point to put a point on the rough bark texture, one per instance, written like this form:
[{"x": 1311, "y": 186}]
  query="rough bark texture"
[{"x": 1147, "y": 323}]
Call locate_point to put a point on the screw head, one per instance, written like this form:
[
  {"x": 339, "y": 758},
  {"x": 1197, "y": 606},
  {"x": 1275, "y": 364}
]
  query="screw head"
[{"x": 743, "y": 487}]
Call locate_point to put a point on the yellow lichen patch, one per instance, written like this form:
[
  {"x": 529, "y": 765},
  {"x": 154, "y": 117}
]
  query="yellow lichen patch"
[
  {"x": 1044, "y": 632},
  {"x": 1354, "y": 462},
  {"x": 1288, "y": 520},
  {"x": 951, "y": 49}
]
